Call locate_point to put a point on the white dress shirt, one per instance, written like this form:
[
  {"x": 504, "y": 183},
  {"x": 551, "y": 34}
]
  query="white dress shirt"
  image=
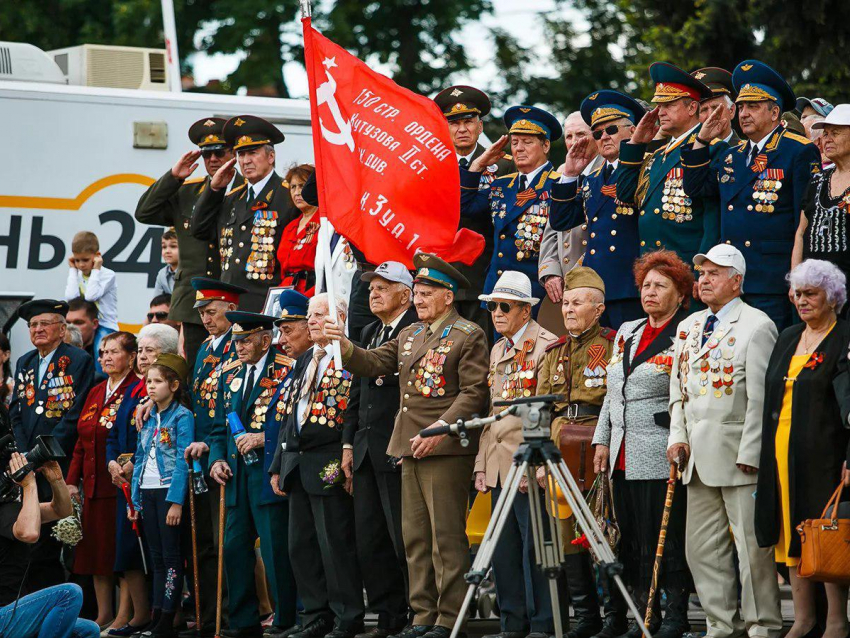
[{"x": 304, "y": 401}]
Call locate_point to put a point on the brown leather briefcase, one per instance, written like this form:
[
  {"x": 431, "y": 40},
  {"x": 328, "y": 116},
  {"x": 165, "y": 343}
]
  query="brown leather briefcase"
[{"x": 574, "y": 441}]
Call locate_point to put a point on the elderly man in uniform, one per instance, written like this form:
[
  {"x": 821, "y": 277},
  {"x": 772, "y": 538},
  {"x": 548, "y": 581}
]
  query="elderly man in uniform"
[
  {"x": 51, "y": 384},
  {"x": 522, "y": 590},
  {"x": 517, "y": 203},
  {"x": 464, "y": 108},
  {"x": 562, "y": 251},
  {"x": 719, "y": 81},
  {"x": 169, "y": 202},
  {"x": 246, "y": 387},
  {"x": 653, "y": 183},
  {"x": 575, "y": 366},
  {"x": 760, "y": 183},
  {"x": 309, "y": 464},
  {"x": 591, "y": 201},
  {"x": 213, "y": 299},
  {"x": 716, "y": 403},
  {"x": 247, "y": 220},
  {"x": 366, "y": 434},
  {"x": 441, "y": 362}
]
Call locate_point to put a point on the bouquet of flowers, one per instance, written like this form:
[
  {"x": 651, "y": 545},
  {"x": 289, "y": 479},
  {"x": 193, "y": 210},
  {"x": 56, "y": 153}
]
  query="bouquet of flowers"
[
  {"x": 69, "y": 531},
  {"x": 332, "y": 474}
]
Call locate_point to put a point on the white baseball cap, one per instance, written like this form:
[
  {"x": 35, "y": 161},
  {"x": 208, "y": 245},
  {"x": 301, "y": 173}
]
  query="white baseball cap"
[
  {"x": 512, "y": 286},
  {"x": 391, "y": 271},
  {"x": 840, "y": 116},
  {"x": 723, "y": 255}
]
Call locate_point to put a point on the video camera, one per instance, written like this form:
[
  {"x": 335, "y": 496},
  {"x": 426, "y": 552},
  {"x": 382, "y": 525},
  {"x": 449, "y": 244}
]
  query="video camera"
[{"x": 46, "y": 449}]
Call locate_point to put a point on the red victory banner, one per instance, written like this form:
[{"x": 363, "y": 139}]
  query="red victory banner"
[{"x": 386, "y": 168}]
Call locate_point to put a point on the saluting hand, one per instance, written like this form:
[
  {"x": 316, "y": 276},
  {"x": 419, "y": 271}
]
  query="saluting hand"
[
  {"x": 224, "y": 175},
  {"x": 647, "y": 128},
  {"x": 490, "y": 156},
  {"x": 712, "y": 127},
  {"x": 581, "y": 154},
  {"x": 186, "y": 165}
]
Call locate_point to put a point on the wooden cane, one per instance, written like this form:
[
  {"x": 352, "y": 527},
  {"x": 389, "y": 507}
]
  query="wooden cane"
[
  {"x": 662, "y": 540},
  {"x": 195, "y": 551},
  {"x": 218, "y": 594}
]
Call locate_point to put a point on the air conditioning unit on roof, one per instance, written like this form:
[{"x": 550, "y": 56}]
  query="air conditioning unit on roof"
[{"x": 113, "y": 67}]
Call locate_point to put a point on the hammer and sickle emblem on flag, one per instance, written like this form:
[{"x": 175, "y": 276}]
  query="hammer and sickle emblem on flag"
[{"x": 326, "y": 94}]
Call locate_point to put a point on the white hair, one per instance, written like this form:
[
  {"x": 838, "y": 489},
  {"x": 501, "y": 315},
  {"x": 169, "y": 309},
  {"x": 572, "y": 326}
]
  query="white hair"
[
  {"x": 75, "y": 336},
  {"x": 734, "y": 271},
  {"x": 341, "y": 304},
  {"x": 817, "y": 273},
  {"x": 163, "y": 335}
]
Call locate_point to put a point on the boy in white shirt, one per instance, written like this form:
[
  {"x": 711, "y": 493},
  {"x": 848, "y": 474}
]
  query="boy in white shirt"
[{"x": 89, "y": 279}]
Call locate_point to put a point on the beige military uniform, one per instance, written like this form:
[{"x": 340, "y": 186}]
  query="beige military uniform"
[
  {"x": 442, "y": 376},
  {"x": 513, "y": 374}
]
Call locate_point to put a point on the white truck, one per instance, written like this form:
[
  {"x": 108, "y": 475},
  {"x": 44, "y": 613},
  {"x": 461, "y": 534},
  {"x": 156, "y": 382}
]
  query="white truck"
[{"x": 78, "y": 157}]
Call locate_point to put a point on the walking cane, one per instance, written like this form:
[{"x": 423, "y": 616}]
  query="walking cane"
[
  {"x": 195, "y": 551},
  {"x": 662, "y": 538},
  {"x": 218, "y": 593},
  {"x": 137, "y": 528}
]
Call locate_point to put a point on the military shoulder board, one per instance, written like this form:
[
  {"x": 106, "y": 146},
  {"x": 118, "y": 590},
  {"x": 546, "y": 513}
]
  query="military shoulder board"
[
  {"x": 283, "y": 360},
  {"x": 465, "y": 326},
  {"x": 235, "y": 363}
]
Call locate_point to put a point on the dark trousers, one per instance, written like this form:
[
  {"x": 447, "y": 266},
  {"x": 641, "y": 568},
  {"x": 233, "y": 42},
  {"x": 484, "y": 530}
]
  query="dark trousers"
[
  {"x": 619, "y": 311},
  {"x": 377, "y": 523},
  {"x": 324, "y": 557},
  {"x": 246, "y": 521},
  {"x": 206, "y": 532},
  {"x": 521, "y": 587},
  {"x": 164, "y": 544},
  {"x": 777, "y": 307},
  {"x": 194, "y": 335}
]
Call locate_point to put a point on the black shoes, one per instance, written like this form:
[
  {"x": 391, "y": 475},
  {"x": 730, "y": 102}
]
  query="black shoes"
[
  {"x": 613, "y": 626},
  {"x": 513, "y": 634},
  {"x": 412, "y": 631},
  {"x": 441, "y": 632},
  {"x": 273, "y": 631}
]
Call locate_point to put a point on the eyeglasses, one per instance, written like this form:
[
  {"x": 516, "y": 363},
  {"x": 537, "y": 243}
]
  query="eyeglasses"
[
  {"x": 35, "y": 325},
  {"x": 611, "y": 129},
  {"x": 219, "y": 153},
  {"x": 504, "y": 306},
  {"x": 159, "y": 316}
]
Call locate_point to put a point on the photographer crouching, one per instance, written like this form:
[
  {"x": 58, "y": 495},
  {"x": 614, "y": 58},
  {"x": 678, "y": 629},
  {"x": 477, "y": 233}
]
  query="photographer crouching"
[{"x": 52, "y": 612}]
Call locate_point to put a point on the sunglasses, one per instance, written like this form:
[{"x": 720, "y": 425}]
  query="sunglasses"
[
  {"x": 611, "y": 129},
  {"x": 159, "y": 316},
  {"x": 504, "y": 306},
  {"x": 219, "y": 153}
]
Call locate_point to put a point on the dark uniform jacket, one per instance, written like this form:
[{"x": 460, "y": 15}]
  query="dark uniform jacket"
[
  {"x": 667, "y": 218},
  {"x": 373, "y": 406},
  {"x": 248, "y": 235},
  {"x": 53, "y": 406},
  {"x": 477, "y": 272},
  {"x": 518, "y": 220},
  {"x": 455, "y": 360},
  {"x": 169, "y": 202},
  {"x": 612, "y": 240},
  {"x": 251, "y": 410},
  {"x": 317, "y": 448},
  {"x": 760, "y": 204},
  {"x": 206, "y": 393}
]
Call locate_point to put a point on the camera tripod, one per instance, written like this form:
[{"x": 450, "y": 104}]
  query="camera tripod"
[{"x": 537, "y": 451}]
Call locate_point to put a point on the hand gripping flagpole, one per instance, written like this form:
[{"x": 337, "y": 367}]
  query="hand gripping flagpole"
[{"x": 325, "y": 234}]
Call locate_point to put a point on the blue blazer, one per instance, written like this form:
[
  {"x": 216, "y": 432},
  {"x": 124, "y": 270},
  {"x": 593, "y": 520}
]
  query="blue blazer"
[
  {"x": 208, "y": 366},
  {"x": 32, "y": 415},
  {"x": 765, "y": 236}
]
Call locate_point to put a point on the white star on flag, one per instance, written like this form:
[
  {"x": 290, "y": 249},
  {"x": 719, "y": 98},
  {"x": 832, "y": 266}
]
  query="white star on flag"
[{"x": 329, "y": 63}]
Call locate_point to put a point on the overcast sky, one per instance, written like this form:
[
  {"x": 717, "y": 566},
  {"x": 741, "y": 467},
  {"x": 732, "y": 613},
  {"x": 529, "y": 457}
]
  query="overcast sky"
[{"x": 521, "y": 18}]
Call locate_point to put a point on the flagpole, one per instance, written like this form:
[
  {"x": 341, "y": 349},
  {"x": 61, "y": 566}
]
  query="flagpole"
[{"x": 325, "y": 234}]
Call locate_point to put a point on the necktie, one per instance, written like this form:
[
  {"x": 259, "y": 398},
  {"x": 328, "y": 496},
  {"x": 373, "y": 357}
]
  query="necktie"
[
  {"x": 751, "y": 157},
  {"x": 463, "y": 162},
  {"x": 383, "y": 336},
  {"x": 509, "y": 343},
  {"x": 708, "y": 329},
  {"x": 607, "y": 172},
  {"x": 310, "y": 377},
  {"x": 246, "y": 396},
  {"x": 250, "y": 195},
  {"x": 523, "y": 183}
]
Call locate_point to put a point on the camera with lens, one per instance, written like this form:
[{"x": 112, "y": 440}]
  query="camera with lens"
[
  {"x": 536, "y": 414},
  {"x": 46, "y": 449}
]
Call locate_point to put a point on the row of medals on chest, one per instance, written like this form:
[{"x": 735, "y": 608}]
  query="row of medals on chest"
[
  {"x": 331, "y": 397},
  {"x": 529, "y": 231},
  {"x": 519, "y": 379},
  {"x": 675, "y": 205},
  {"x": 260, "y": 262},
  {"x": 208, "y": 388},
  {"x": 765, "y": 193},
  {"x": 429, "y": 380},
  {"x": 715, "y": 369},
  {"x": 60, "y": 391}
]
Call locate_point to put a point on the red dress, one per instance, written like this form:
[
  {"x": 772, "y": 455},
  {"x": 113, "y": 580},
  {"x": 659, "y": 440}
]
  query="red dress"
[
  {"x": 95, "y": 553},
  {"x": 297, "y": 255}
]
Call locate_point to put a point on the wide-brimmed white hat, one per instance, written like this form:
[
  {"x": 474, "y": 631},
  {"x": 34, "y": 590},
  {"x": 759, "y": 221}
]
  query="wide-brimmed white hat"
[
  {"x": 512, "y": 286},
  {"x": 840, "y": 116}
]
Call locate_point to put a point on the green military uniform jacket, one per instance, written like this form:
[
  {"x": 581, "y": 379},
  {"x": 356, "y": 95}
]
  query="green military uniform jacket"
[
  {"x": 247, "y": 235},
  {"x": 169, "y": 202},
  {"x": 442, "y": 376},
  {"x": 577, "y": 368},
  {"x": 209, "y": 364}
]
